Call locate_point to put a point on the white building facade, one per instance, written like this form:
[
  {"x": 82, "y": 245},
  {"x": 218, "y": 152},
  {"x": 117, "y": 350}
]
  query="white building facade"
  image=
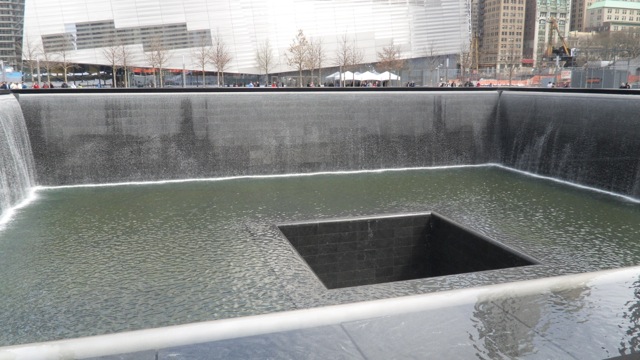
[{"x": 82, "y": 29}]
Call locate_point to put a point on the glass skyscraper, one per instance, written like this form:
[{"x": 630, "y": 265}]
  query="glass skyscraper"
[{"x": 82, "y": 29}]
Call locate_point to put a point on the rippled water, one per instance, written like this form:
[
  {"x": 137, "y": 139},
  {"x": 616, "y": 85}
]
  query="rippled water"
[{"x": 93, "y": 260}]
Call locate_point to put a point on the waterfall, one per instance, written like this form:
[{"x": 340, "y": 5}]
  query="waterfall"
[{"x": 17, "y": 170}]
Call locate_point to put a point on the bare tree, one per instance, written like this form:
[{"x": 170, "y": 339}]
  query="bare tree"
[
  {"x": 125, "y": 55},
  {"x": 118, "y": 56},
  {"x": 220, "y": 57},
  {"x": 347, "y": 55},
  {"x": 320, "y": 55},
  {"x": 389, "y": 58},
  {"x": 357, "y": 57},
  {"x": 315, "y": 57},
  {"x": 589, "y": 49},
  {"x": 112, "y": 55},
  {"x": 64, "y": 62},
  {"x": 202, "y": 57},
  {"x": 49, "y": 63},
  {"x": 264, "y": 57},
  {"x": 310, "y": 60},
  {"x": 433, "y": 60},
  {"x": 297, "y": 54},
  {"x": 510, "y": 59},
  {"x": 30, "y": 54},
  {"x": 157, "y": 57},
  {"x": 626, "y": 43},
  {"x": 465, "y": 59}
]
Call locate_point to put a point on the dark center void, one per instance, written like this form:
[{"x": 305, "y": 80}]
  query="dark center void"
[{"x": 356, "y": 252}]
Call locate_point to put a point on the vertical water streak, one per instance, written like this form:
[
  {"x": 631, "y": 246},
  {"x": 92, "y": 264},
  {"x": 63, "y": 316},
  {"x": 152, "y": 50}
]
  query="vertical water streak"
[{"x": 17, "y": 170}]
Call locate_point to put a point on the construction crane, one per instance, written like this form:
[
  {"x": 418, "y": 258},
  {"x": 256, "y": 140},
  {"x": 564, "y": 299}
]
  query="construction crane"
[{"x": 563, "y": 52}]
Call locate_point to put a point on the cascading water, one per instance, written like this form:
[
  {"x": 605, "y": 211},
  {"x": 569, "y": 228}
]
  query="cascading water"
[{"x": 16, "y": 159}]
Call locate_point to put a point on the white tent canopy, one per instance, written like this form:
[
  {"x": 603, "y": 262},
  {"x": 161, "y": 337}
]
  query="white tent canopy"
[
  {"x": 388, "y": 76},
  {"x": 365, "y": 76},
  {"x": 334, "y": 76},
  {"x": 347, "y": 75}
]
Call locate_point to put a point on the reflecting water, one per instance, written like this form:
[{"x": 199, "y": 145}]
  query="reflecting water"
[{"x": 93, "y": 260}]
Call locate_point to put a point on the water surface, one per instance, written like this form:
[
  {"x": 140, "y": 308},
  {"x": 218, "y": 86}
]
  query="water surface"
[{"x": 92, "y": 260}]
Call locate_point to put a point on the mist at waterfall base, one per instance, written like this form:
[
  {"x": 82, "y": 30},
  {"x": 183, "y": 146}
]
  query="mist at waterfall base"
[{"x": 93, "y": 260}]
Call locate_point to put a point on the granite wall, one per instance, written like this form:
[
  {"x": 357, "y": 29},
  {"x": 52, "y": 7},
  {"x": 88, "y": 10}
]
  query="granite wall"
[
  {"x": 95, "y": 137},
  {"x": 586, "y": 137}
]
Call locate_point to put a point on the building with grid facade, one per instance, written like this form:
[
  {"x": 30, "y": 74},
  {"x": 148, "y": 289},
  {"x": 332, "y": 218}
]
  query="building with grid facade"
[
  {"x": 82, "y": 29},
  {"x": 11, "y": 17},
  {"x": 579, "y": 14},
  {"x": 502, "y": 28},
  {"x": 538, "y": 27},
  {"x": 613, "y": 16}
]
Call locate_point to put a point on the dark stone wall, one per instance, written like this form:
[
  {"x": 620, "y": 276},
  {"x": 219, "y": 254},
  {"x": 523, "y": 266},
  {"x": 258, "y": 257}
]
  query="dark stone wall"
[
  {"x": 357, "y": 252},
  {"x": 587, "y": 138},
  {"x": 455, "y": 249},
  {"x": 98, "y": 137}
]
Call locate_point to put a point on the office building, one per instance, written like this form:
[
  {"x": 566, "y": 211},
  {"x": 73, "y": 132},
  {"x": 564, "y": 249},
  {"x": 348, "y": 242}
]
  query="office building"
[
  {"x": 579, "y": 14},
  {"x": 613, "y": 16},
  {"x": 540, "y": 29},
  {"x": 11, "y": 16},
  {"x": 502, "y": 28},
  {"x": 82, "y": 29}
]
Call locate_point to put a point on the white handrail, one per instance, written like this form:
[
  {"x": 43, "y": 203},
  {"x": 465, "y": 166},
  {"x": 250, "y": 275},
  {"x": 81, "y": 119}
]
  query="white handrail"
[{"x": 202, "y": 332}]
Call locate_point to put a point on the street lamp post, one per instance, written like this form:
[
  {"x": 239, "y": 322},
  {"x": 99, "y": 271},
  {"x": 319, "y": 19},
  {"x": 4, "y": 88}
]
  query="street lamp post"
[
  {"x": 511, "y": 53},
  {"x": 4, "y": 74},
  {"x": 446, "y": 72},
  {"x": 184, "y": 75}
]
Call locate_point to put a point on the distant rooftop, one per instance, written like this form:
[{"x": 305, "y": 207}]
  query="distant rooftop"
[{"x": 616, "y": 4}]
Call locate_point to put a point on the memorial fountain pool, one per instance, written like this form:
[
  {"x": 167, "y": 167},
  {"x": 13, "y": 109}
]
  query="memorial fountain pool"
[{"x": 139, "y": 251}]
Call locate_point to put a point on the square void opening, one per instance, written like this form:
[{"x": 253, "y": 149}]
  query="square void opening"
[{"x": 356, "y": 252}]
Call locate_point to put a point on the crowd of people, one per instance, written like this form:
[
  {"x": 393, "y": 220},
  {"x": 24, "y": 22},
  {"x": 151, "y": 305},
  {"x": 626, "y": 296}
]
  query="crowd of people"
[
  {"x": 36, "y": 85},
  {"x": 12, "y": 85}
]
